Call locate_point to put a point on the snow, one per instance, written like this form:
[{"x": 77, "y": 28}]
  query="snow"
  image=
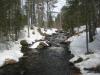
[
  {"x": 78, "y": 48},
  {"x": 93, "y": 74},
  {"x": 59, "y": 5},
  {"x": 10, "y": 54},
  {"x": 36, "y": 35},
  {"x": 35, "y": 45},
  {"x": 80, "y": 29},
  {"x": 33, "y": 37},
  {"x": 49, "y": 31},
  {"x": 92, "y": 61},
  {"x": 77, "y": 30},
  {"x": 78, "y": 45},
  {"x": 12, "y": 49}
]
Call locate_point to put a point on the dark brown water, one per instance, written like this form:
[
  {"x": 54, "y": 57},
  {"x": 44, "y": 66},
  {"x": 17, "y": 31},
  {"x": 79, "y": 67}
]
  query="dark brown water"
[{"x": 49, "y": 61}]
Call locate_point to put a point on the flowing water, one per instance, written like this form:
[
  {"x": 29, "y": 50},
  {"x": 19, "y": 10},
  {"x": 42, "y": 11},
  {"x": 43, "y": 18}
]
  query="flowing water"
[{"x": 53, "y": 60}]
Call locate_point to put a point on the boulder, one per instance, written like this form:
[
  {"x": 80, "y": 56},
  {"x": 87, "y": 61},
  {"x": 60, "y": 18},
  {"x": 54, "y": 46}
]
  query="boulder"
[
  {"x": 39, "y": 30},
  {"x": 93, "y": 69},
  {"x": 75, "y": 70},
  {"x": 24, "y": 43},
  {"x": 33, "y": 32},
  {"x": 43, "y": 34},
  {"x": 10, "y": 61},
  {"x": 42, "y": 45},
  {"x": 78, "y": 60},
  {"x": 25, "y": 46}
]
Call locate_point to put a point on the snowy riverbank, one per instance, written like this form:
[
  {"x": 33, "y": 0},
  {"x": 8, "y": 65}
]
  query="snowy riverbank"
[
  {"x": 78, "y": 48},
  {"x": 11, "y": 51}
]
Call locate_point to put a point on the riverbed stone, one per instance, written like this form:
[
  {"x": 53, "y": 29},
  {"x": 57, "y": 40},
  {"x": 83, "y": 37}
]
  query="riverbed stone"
[
  {"x": 42, "y": 45},
  {"x": 24, "y": 43}
]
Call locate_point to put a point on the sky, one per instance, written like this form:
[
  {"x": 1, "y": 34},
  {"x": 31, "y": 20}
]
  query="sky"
[
  {"x": 59, "y": 5},
  {"x": 23, "y": 1}
]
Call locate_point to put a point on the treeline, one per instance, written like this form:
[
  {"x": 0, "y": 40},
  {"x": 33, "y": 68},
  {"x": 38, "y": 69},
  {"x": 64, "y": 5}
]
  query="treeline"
[
  {"x": 40, "y": 12},
  {"x": 14, "y": 15},
  {"x": 81, "y": 12},
  {"x": 11, "y": 19}
]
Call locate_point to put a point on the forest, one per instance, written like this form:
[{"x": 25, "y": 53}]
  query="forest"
[
  {"x": 49, "y": 37},
  {"x": 75, "y": 13},
  {"x": 81, "y": 12},
  {"x": 14, "y": 16}
]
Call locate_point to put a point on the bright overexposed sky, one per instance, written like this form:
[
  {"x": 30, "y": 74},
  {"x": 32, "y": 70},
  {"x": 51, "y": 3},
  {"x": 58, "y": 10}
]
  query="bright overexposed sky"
[{"x": 59, "y": 5}]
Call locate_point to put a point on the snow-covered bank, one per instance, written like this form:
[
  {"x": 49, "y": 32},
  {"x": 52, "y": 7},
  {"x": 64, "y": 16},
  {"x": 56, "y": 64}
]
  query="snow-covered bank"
[
  {"x": 11, "y": 51},
  {"x": 78, "y": 43},
  {"x": 6, "y": 56},
  {"x": 37, "y": 44},
  {"x": 33, "y": 35},
  {"x": 78, "y": 48},
  {"x": 80, "y": 29},
  {"x": 49, "y": 31}
]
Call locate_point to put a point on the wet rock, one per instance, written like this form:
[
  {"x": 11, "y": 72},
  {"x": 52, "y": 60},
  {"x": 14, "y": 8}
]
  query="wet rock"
[
  {"x": 87, "y": 53},
  {"x": 44, "y": 34},
  {"x": 49, "y": 43},
  {"x": 75, "y": 70},
  {"x": 33, "y": 32},
  {"x": 24, "y": 49},
  {"x": 93, "y": 69},
  {"x": 47, "y": 61},
  {"x": 24, "y": 43},
  {"x": 71, "y": 56},
  {"x": 39, "y": 40},
  {"x": 67, "y": 42},
  {"x": 10, "y": 61},
  {"x": 42, "y": 45},
  {"x": 64, "y": 42},
  {"x": 78, "y": 60},
  {"x": 55, "y": 44},
  {"x": 60, "y": 31}
]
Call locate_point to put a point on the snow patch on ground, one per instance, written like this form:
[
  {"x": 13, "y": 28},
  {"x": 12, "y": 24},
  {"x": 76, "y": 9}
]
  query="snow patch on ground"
[
  {"x": 78, "y": 48},
  {"x": 35, "y": 45},
  {"x": 49, "y": 31},
  {"x": 78, "y": 44},
  {"x": 34, "y": 35},
  {"x": 11, "y": 50},
  {"x": 80, "y": 29},
  {"x": 10, "y": 54}
]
